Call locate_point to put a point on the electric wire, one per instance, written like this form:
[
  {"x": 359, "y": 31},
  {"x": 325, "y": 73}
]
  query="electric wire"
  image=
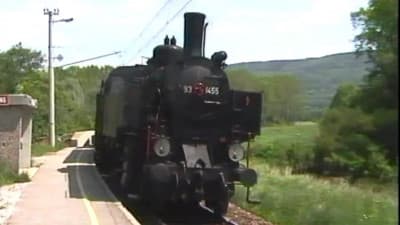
[
  {"x": 148, "y": 24},
  {"x": 160, "y": 30}
]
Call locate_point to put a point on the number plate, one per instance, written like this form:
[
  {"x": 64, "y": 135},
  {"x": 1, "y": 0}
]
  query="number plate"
[{"x": 195, "y": 154}]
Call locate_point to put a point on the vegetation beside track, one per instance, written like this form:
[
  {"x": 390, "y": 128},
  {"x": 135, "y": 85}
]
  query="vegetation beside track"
[
  {"x": 287, "y": 145},
  {"x": 8, "y": 176},
  {"x": 306, "y": 200},
  {"x": 288, "y": 197}
]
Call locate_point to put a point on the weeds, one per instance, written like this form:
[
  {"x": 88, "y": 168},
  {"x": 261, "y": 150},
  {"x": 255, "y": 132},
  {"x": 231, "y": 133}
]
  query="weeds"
[
  {"x": 305, "y": 200},
  {"x": 8, "y": 176},
  {"x": 39, "y": 149}
]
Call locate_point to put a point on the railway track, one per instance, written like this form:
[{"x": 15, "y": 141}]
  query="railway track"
[{"x": 188, "y": 215}]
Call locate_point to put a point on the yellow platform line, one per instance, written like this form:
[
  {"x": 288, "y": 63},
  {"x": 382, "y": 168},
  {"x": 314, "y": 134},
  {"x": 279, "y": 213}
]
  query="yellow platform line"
[{"x": 86, "y": 202}]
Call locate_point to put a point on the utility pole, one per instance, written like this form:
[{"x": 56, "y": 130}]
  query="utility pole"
[{"x": 52, "y": 127}]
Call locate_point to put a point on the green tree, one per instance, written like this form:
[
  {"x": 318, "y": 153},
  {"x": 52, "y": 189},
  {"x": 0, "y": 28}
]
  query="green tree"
[
  {"x": 379, "y": 39},
  {"x": 21, "y": 71},
  {"x": 36, "y": 85},
  {"x": 379, "y": 94},
  {"x": 15, "y": 64},
  {"x": 359, "y": 133},
  {"x": 345, "y": 96},
  {"x": 284, "y": 98}
]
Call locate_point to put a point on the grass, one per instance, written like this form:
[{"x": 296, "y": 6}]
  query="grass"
[
  {"x": 288, "y": 199},
  {"x": 286, "y": 145},
  {"x": 8, "y": 176},
  {"x": 40, "y": 148}
]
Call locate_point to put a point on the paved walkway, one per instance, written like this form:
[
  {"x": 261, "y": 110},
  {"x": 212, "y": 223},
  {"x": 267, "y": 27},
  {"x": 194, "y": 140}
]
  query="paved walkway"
[{"x": 67, "y": 189}]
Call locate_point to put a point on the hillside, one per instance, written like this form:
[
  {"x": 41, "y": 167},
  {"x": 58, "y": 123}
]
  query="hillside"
[{"x": 320, "y": 76}]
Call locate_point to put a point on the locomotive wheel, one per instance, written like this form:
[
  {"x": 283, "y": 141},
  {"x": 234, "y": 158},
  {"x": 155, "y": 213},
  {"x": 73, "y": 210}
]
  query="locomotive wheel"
[{"x": 220, "y": 204}]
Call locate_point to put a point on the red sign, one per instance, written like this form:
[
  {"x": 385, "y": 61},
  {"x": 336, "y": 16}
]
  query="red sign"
[{"x": 3, "y": 100}]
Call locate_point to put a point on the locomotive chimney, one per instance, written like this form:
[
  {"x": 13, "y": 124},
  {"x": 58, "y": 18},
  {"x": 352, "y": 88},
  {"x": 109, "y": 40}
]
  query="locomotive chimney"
[{"x": 194, "y": 35}]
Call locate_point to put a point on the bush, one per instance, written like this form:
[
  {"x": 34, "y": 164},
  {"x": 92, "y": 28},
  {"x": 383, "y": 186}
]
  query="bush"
[{"x": 345, "y": 147}]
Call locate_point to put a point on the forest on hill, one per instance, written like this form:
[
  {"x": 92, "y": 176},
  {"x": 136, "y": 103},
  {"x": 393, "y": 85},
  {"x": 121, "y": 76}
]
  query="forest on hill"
[{"x": 320, "y": 77}]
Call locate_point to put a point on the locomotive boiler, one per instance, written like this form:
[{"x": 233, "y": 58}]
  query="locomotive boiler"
[{"x": 174, "y": 128}]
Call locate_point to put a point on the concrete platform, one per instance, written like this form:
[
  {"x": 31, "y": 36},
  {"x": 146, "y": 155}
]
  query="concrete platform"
[
  {"x": 82, "y": 138},
  {"x": 67, "y": 189}
]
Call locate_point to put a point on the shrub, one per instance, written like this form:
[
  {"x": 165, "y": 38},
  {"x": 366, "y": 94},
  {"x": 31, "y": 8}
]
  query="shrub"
[{"x": 345, "y": 146}]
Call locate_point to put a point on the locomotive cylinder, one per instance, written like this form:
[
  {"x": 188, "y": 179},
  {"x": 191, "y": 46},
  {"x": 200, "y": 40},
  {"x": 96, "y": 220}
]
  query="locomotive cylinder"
[{"x": 194, "y": 35}]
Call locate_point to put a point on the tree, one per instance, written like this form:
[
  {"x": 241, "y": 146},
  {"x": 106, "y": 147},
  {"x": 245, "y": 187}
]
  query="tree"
[
  {"x": 359, "y": 133},
  {"x": 345, "y": 96},
  {"x": 379, "y": 94},
  {"x": 282, "y": 93},
  {"x": 284, "y": 98},
  {"x": 15, "y": 64},
  {"x": 379, "y": 39}
]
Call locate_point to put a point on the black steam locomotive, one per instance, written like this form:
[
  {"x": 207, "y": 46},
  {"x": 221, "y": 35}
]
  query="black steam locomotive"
[{"x": 174, "y": 128}]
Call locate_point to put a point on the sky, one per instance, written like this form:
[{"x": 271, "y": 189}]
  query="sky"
[{"x": 248, "y": 30}]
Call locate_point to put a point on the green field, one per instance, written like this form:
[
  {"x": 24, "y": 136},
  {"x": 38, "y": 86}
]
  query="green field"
[
  {"x": 286, "y": 145},
  {"x": 304, "y": 200},
  {"x": 288, "y": 199}
]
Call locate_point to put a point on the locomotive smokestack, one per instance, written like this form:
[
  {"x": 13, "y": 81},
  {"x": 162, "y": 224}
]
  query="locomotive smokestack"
[{"x": 194, "y": 34}]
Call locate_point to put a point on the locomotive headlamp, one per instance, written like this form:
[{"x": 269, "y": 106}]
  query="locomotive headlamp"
[
  {"x": 236, "y": 152},
  {"x": 162, "y": 147}
]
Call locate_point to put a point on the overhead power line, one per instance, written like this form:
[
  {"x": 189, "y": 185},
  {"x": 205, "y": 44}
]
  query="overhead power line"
[
  {"x": 160, "y": 30},
  {"x": 152, "y": 19},
  {"x": 149, "y": 23},
  {"x": 90, "y": 59}
]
